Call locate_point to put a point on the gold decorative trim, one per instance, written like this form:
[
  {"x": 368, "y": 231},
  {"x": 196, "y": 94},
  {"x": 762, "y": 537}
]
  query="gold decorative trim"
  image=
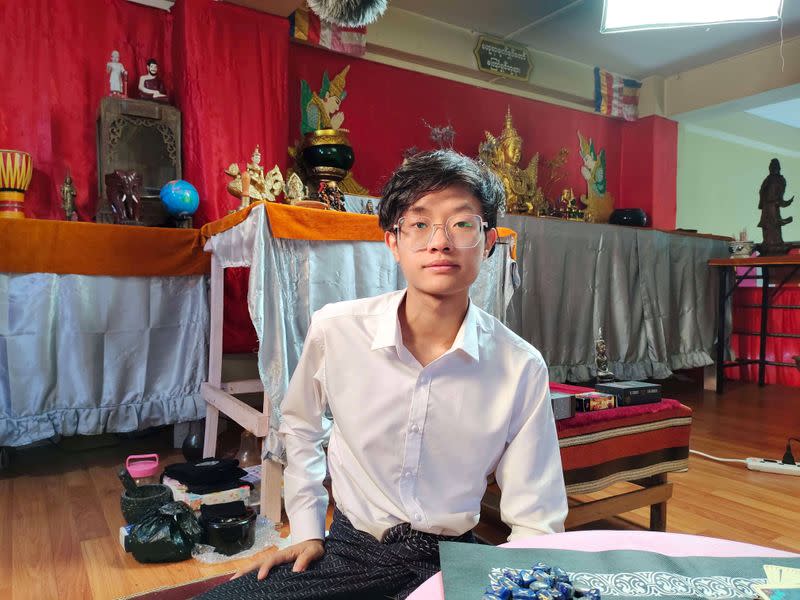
[
  {"x": 326, "y": 137},
  {"x": 11, "y": 196}
]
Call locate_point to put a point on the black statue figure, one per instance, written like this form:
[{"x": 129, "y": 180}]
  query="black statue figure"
[{"x": 770, "y": 202}]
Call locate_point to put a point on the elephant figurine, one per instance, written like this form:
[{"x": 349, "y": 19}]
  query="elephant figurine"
[{"x": 124, "y": 191}]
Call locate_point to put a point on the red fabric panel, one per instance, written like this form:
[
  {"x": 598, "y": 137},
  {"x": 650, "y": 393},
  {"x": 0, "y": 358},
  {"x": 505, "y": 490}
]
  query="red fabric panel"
[
  {"x": 600, "y": 420},
  {"x": 665, "y": 172},
  {"x": 231, "y": 85},
  {"x": 54, "y": 67},
  {"x": 587, "y": 455},
  {"x": 778, "y": 349},
  {"x": 385, "y": 107},
  {"x": 649, "y": 169}
]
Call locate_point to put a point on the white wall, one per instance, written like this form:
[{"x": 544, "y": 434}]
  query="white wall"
[{"x": 719, "y": 176}]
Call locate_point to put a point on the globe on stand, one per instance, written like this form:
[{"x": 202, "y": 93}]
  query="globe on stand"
[{"x": 180, "y": 199}]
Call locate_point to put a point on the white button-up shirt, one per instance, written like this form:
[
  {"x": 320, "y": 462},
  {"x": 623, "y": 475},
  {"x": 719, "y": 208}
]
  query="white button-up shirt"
[{"x": 416, "y": 444}]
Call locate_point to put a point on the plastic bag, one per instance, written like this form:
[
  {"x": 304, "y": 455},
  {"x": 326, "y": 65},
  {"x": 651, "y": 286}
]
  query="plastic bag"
[{"x": 166, "y": 534}]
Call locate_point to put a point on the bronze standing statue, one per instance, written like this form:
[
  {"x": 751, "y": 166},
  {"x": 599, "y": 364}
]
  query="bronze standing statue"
[
  {"x": 68, "y": 194},
  {"x": 770, "y": 202}
]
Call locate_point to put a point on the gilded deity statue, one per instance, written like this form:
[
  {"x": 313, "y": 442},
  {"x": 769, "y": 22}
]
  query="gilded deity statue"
[
  {"x": 323, "y": 110},
  {"x": 502, "y": 154},
  {"x": 261, "y": 186}
]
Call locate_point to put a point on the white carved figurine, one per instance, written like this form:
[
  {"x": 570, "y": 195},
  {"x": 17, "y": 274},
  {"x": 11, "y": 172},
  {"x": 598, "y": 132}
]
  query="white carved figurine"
[{"x": 117, "y": 75}]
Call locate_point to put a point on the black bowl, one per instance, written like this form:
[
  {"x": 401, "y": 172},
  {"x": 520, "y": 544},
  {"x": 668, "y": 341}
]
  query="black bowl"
[
  {"x": 146, "y": 498},
  {"x": 337, "y": 156},
  {"x": 230, "y": 535},
  {"x": 635, "y": 217}
]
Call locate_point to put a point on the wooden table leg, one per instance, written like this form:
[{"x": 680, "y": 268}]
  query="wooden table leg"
[
  {"x": 214, "y": 354},
  {"x": 658, "y": 512},
  {"x": 722, "y": 300}
]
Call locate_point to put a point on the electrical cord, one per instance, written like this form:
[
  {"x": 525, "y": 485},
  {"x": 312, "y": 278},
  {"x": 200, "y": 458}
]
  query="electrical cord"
[
  {"x": 717, "y": 458},
  {"x": 788, "y": 457}
]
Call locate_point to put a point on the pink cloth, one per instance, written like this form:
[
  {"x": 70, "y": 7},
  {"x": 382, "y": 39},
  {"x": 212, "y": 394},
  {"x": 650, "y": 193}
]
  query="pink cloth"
[{"x": 671, "y": 544}]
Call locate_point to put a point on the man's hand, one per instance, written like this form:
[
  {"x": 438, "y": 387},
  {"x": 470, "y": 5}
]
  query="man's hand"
[{"x": 302, "y": 554}]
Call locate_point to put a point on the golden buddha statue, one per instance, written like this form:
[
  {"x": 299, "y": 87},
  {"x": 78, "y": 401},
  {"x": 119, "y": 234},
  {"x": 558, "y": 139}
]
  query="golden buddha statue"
[{"x": 502, "y": 154}]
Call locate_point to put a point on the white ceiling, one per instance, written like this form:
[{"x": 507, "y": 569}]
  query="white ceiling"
[
  {"x": 574, "y": 33},
  {"x": 786, "y": 113}
]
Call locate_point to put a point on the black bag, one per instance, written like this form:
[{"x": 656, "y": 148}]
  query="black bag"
[{"x": 166, "y": 534}]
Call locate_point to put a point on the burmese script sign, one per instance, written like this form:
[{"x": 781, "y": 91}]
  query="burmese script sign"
[{"x": 503, "y": 58}]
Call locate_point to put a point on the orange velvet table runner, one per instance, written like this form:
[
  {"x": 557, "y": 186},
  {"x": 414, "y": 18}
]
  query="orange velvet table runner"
[
  {"x": 64, "y": 247},
  {"x": 298, "y": 223}
]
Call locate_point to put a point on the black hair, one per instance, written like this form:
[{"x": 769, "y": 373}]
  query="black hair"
[
  {"x": 151, "y": 61},
  {"x": 436, "y": 170}
]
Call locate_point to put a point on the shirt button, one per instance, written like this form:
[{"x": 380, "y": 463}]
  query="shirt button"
[
  {"x": 408, "y": 473},
  {"x": 414, "y": 428},
  {"x": 418, "y": 517}
]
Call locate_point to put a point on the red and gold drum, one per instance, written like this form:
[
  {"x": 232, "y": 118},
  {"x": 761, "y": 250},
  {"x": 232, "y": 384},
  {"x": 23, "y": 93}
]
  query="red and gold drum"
[{"x": 16, "y": 169}]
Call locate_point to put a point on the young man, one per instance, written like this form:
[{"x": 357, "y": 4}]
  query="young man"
[{"x": 429, "y": 396}]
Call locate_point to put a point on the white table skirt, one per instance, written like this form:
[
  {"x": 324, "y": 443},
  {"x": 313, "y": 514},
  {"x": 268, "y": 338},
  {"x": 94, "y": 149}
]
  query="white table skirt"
[{"x": 91, "y": 354}]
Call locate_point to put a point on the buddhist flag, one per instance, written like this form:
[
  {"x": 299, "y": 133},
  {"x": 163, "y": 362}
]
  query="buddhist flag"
[
  {"x": 306, "y": 26},
  {"x": 615, "y": 95}
]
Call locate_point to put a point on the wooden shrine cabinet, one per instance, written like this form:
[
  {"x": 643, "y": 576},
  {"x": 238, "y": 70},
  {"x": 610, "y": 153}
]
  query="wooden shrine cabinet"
[{"x": 141, "y": 136}]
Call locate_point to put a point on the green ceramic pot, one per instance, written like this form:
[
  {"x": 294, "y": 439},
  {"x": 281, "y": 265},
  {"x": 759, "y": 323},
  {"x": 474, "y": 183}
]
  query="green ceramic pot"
[{"x": 327, "y": 154}]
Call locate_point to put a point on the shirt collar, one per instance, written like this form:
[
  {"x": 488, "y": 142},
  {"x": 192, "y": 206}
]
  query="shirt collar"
[
  {"x": 388, "y": 333},
  {"x": 467, "y": 336}
]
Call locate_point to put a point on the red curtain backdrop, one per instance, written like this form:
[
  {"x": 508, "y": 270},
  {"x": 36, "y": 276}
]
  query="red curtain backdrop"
[
  {"x": 54, "y": 68},
  {"x": 231, "y": 75},
  {"x": 778, "y": 349},
  {"x": 231, "y": 79},
  {"x": 385, "y": 107},
  {"x": 649, "y": 169}
]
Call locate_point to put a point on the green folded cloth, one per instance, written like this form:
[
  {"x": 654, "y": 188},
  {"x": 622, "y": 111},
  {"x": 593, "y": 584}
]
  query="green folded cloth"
[{"x": 616, "y": 573}]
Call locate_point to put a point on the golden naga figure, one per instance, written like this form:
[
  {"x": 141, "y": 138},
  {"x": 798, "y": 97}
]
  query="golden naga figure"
[
  {"x": 260, "y": 186},
  {"x": 502, "y": 154}
]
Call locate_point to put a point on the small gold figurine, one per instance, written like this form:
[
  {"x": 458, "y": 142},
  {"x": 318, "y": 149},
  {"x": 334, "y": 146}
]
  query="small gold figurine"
[
  {"x": 68, "y": 194},
  {"x": 569, "y": 206},
  {"x": 502, "y": 155},
  {"x": 261, "y": 186},
  {"x": 295, "y": 190}
]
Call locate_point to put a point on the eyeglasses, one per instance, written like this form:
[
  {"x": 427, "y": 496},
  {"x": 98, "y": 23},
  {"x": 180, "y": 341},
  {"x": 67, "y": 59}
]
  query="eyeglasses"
[{"x": 462, "y": 231}]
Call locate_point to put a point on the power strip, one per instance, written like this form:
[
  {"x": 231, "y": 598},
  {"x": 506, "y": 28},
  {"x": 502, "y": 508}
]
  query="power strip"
[{"x": 772, "y": 466}]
